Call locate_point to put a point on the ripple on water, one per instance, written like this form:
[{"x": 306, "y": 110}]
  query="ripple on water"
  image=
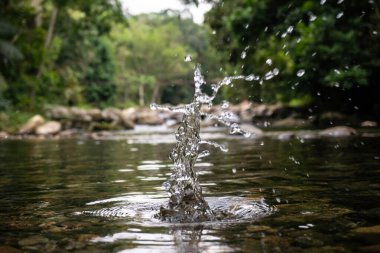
[{"x": 144, "y": 208}]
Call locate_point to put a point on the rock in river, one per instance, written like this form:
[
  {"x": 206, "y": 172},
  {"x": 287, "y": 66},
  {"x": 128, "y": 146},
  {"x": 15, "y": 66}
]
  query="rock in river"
[
  {"x": 31, "y": 125},
  {"x": 51, "y": 127},
  {"x": 338, "y": 131}
]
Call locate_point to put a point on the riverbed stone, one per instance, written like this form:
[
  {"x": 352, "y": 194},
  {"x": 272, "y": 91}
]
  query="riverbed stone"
[
  {"x": 338, "y": 131},
  {"x": 258, "y": 228},
  {"x": 371, "y": 248},
  {"x": 307, "y": 242},
  {"x": 291, "y": 123},
  {"x": 33, "y": 240},
  {"x": 31, "y": 125},
  {"x": 49, "y": 128},
  {"x": 148, "y": 117},
  {"x": 369, "y": 123},
  {"x": 255, "y": 131},
  {"x": 367, "y": 230},
  {"x": 9, "y": 249}
]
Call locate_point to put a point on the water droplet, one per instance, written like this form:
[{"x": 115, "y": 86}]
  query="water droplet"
[
  {"x": 188, "y": 58},
  {"x": 234, "y": 170},
  {"x": 154, "y": 106},
  {"x": 312, "y": 17},
  {"x": 246, "y": 26},
  {"x": 339, "y": 15},
  {"x": 300, "y": 72},
  {"x": 340, "y": 1},
  {"x": 290, "y": 29},
  {"x": 269, "y": 62},
  {"x": 276, "y": 71},
  {"x": 269, "y": 75},
  {"x": 243, "y": 55},
  {"x": 323, "y": 2},
  {"x": 225, "y": 105},
  {"x": 374, "y": 32}
]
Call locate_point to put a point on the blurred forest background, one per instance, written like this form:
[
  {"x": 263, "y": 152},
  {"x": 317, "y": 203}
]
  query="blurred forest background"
[{"x": 321, "y": 55}]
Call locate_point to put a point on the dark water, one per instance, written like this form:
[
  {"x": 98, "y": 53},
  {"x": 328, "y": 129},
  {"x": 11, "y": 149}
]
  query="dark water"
[{"x": 319, "y": 195}]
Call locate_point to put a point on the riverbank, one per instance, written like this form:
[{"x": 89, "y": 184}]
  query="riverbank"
[{"x": 260, "y": 119}]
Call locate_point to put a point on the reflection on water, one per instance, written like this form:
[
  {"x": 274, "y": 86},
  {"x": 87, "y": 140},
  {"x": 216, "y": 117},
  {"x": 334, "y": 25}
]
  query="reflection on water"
[{"x": 101, "y": 196}]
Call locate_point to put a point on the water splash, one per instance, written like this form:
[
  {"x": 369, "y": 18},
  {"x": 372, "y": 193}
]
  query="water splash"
[{"x": 186, "y": 202}]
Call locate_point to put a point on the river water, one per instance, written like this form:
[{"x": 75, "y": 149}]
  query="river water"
[{"x": 80, "y": 195}]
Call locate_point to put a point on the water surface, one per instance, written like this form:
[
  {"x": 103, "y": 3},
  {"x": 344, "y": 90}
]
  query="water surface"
[{"x": 308, "y": 195}]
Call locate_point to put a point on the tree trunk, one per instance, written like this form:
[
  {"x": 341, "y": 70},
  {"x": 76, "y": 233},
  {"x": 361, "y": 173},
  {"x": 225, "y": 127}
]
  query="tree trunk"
[
  {"x": 156, "y": 97},
  {"x": 141, "y": 95}
]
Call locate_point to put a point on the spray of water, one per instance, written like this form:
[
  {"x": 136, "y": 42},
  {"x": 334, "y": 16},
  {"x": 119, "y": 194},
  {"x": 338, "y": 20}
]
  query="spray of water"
[{"x": 186, "y": 202}]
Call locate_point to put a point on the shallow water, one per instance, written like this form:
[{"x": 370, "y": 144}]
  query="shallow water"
[{"x": 301, "y": 195}]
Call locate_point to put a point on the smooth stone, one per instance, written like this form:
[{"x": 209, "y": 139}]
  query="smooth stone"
[
  {"x": 274, "y": 243},
  {"x": 291, "y": 123},
  {"x": 9, "y": 249},
  {"x": 307, "y": 242},
  {"x": 338, "y": 131},
  {"x": 372, "y": 248},
  {"x": 3, "y": 135},
  {"x": 33, "y": 240},
  {"x": 369, "y": 123},
  {"x": 147, "y": 117},
  {"x": 286, "y": 136},
  {"x": 257, "y": 229},
  {"x": 50, "y": 127},
  {"x": 367, "y": 230},
  {"x": 31, "y": 125},
  {"x": 79, "y": 114},
  {"x": 251, "y": 129}
]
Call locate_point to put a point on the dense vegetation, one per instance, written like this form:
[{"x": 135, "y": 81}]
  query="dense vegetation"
[
  {"x": 90, "y": 53},
  {"x": 327, "y": 52}
]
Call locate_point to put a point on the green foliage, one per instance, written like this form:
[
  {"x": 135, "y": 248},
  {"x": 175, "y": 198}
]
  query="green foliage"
[{"x": 335, "y": 43}]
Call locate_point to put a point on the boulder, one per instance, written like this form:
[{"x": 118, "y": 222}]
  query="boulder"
[
  {"x": 95, "y": 113},
  {"x": 3, "y": 135},
  {"x": 79, "y": 114},
  {"x": 126, "y": 121},
  {"x": 129, "y": 114},
  {"x": 334, "y": 119},
  {"x": 31, "y": 125},
  {"x": 369, "y": 123},
  {"x": 147, "y": 117},
  {"x": 50, "y": 127},
  {"x": 111, "y": 114},
  {"x": 255, "y": 131},
  {"x": 338, "y": 131},
  {"x": 58, "y": 112},
  {"x": 291, "y": 123}
]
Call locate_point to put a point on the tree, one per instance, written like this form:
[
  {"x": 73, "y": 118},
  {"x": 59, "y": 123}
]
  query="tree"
[
  {"x": 151, "y": 50},
  {"x": 323, "y": 50}
]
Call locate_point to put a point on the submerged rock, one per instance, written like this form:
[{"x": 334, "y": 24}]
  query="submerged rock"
[
  {"x": 338, "y": 131},
  {"x": 255, "y": 131},
  {"x": 9, "y": 249},
  {"x": 291, "y": 123},
  {"x": 369, "y": 123},
  {"x": 33, "y": 240},
  {"x": 367, "y": 230},
  {"x": 31, "y": 125},
  {"x": 51, "y": 127}
]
